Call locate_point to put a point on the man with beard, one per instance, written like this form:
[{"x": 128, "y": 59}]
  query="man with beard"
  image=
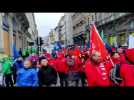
[{"x": 96, "y": 72}]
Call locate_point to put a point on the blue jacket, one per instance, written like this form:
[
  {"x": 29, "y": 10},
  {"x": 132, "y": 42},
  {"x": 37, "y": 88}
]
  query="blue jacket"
[
  {"x": 27, "y": 77},
  {"x": 18, "y": 65}
]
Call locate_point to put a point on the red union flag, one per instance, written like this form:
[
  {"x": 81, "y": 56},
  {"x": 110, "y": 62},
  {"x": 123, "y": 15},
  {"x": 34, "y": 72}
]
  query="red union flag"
[{"x": 96, "y": 43}]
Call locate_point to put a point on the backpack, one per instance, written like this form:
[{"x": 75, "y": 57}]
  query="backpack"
[
  {"x": 115, "y": 74},
  {"x": 70, "y": 62}
]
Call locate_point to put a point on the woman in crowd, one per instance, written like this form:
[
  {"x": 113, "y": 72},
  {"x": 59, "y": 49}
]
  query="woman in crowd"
[{"x": 27, "y": 76}]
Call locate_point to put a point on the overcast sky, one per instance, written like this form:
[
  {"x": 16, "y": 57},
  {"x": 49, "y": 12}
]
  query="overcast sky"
[{"x": 46, "y": 21}]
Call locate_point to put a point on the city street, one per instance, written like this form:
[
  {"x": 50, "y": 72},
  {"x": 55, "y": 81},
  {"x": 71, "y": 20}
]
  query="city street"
[{"x": 66, "y": 49}]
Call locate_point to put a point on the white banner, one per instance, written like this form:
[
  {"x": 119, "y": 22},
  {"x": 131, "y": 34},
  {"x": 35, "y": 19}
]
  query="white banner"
[{"x": 131, "y": 41}]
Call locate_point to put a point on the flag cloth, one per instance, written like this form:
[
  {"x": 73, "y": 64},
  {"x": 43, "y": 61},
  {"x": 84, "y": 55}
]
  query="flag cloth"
[
  {"x": 15, "y": 52},
  {"x": 108, "y": 47},
  {"x": 96, "y": 43},
  {"x": 57, "y": 46}
]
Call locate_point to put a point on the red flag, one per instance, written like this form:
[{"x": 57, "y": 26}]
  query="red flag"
[{"x": 96, "y": 43}]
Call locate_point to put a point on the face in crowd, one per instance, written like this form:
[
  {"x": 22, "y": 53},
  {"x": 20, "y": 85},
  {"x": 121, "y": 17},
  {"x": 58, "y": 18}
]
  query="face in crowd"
[
  {"x": 44, "y": 62},
  {"x": 120, "y": 50},
  {"x": 96, "y": 57},
  {"x": 116, "y": 56},
  {"x": 27, "y": 63}
]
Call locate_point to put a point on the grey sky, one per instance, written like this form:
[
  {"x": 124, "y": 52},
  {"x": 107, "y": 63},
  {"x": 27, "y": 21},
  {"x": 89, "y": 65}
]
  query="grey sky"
[{"x": 46, "y": 21}]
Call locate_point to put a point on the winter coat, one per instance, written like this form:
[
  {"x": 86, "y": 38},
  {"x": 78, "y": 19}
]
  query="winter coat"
[
  {"x": 96, "y": 75},
  {"x": 18, "y": 65},
  {"x": 52, "y": 62},
  {"x": 127, "y": 74},
  {"x": 27, "y": 77},
  {"x": 6, "y": 68},
  {"x": 130, "y": 54},
  {"x": 47, "y": 75},
  {"x": 61, "y": 65},
  {"x": 123, "y": 59}
]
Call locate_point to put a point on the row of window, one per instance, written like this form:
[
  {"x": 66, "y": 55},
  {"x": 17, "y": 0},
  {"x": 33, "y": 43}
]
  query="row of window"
[
  {"x": 6, "y": 24},
  {"x": 121, "y": 39}
]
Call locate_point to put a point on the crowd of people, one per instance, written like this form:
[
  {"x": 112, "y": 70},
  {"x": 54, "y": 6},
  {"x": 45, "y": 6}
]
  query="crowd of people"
[{"x": 71, "y": 65}]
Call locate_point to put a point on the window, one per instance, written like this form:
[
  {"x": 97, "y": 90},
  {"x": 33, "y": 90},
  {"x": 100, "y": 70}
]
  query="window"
[
  {"x": 112, "y": 40},
  {"x": 14, "y": 25},
  {"x": 122, "y": 39},
  {"x": 5, "y": 22}
]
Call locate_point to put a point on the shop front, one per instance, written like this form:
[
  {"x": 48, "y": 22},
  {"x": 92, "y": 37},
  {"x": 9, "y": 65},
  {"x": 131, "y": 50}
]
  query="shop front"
[{"x": 80, "y": 39}]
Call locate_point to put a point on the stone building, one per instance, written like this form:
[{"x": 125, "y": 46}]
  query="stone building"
[
  {"x": 116, "y": 27},
  {"x": 14, "y": 29},
  {"x": 81, "y": 22},
  {"x": 62, "y": 30}
]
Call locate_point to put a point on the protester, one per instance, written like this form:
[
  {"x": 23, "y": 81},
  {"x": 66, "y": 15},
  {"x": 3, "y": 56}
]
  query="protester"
[
  {"x": 122, "y": 74},
  {"x": 27, "y": 76},
  {"x": 62, "y": 69},
  {"x": 20, "y": 52},
  {"x": 82, "y": 71},
  {"x": 46, "y": 54},
  {"x": 6, "y": 68},
  {"x": 122, "y": 55},
  {"x": 1, "y": 75},
  {"x": 34, "y": 58},
  {"x": 129, "y": 54},
  {"x": 18, "y": 64},
  {"x": 73, "y": 64},
  {"x": 96, "y": 72},
  {"x": 46, "y": 74}
]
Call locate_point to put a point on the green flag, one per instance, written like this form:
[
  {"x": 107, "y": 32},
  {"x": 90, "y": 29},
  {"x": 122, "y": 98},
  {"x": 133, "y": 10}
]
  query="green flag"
[{"x": 102, "y": 36}]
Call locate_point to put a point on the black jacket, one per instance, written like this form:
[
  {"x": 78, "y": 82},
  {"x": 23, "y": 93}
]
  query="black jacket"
[{"x": 47, "y": 76}]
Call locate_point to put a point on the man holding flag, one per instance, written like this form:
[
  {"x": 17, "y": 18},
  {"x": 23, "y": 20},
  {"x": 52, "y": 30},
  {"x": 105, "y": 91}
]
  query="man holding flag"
[{"x": 96, "y": 71}]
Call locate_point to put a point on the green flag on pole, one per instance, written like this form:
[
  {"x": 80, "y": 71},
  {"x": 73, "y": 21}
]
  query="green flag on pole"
[{"x": 103, "y": 37}]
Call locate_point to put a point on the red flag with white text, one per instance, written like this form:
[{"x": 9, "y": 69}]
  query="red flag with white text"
[{"x": 96, "y": 43}]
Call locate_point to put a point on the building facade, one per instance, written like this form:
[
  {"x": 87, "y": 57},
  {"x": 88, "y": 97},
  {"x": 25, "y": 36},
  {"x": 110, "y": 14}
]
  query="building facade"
[
  {"x": 68, "y": 29},
  {"x": 62, "y": 30},
  {"x": 116, "y": 27},
  {"x": 13, "y": 30},
  {"x": 81, "y": 22},
  {"x": 32, "y": 27}
]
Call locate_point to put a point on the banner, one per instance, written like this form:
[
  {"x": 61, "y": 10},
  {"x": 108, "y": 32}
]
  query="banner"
[
  {"x": 97, "y": 43},
  {"x": 131, "y": 41}
]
